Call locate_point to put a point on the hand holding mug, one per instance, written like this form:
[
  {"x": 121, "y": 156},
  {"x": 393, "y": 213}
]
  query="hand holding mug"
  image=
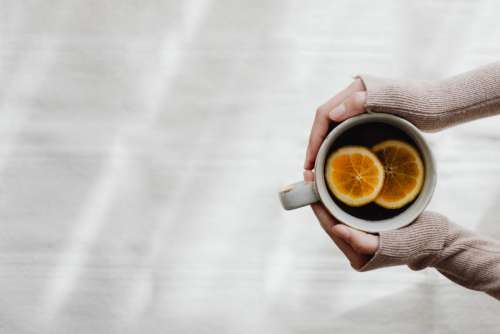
[
  {"x": 348, "y": 103},
  {"x": 357, "y": 246},
  {"x": 364, "y": 130}
]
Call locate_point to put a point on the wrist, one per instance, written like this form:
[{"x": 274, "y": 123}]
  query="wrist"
[{"x": 415, "y": 245}]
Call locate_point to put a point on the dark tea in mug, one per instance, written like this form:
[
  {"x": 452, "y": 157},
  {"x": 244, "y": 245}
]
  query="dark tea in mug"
[{"x": 369, "y": 136}]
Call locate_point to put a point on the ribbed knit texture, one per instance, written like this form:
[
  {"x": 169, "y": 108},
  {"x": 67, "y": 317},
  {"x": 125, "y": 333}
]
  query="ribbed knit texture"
[
  {"x": 434, "y": 105},
  {"x": 431, "y": 241},
  {"x": 426, "y": 236}
]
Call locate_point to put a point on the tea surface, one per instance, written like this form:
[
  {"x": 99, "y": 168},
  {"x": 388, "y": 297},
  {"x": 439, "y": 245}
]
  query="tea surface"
[{"x": 369, "y": 135}]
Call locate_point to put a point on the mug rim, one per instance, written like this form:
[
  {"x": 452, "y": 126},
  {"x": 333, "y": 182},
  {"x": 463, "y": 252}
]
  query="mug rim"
[{"x": 402, "y": 219}]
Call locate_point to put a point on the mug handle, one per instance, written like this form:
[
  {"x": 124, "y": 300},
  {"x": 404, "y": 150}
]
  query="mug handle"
[{"x": 298, "y": 194}]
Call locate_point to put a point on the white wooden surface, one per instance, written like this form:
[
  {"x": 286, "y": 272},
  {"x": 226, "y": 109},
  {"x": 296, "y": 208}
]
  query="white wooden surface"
[{"x": 142, "y": 144}]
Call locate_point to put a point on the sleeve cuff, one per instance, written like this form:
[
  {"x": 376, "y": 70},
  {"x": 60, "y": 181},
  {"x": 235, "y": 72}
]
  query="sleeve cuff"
[
  {"x": 415, "y": 245},
  {"x": 435, "y": 105}
]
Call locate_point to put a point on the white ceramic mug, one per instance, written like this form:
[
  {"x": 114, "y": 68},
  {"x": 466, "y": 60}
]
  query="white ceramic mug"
[{"x": 303, "y": 193}]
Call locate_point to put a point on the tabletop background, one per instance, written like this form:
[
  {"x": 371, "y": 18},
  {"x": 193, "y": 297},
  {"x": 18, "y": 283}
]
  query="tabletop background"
[{"x": 142, "y": 145}]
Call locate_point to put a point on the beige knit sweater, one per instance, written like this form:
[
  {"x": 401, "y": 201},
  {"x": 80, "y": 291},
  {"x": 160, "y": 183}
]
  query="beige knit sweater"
[{"x": 432, "y": 241}]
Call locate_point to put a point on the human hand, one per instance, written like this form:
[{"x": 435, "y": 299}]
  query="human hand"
[
  {"x": 348, "y": 103},
  {"x": 356, "y": 245}
]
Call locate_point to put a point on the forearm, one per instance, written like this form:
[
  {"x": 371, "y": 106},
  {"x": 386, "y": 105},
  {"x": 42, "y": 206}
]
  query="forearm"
[
  {"x": 432, "y": 241},
  {"x": 434, "y": 105}
]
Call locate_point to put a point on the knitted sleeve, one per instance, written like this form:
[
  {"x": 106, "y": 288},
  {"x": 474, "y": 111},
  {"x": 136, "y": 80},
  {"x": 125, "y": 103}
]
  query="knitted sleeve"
[
  {"x": 431, "y": 241},
  {"x": 434, "y": 105}
]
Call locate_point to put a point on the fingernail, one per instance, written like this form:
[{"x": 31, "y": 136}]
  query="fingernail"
[{"x": 337, "y": 112}]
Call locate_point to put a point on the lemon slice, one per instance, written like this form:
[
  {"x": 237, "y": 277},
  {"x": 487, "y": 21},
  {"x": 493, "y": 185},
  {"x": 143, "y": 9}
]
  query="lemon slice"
[
  {"x": 404, "y": 173},
  {"x": 354, "y": 175}
]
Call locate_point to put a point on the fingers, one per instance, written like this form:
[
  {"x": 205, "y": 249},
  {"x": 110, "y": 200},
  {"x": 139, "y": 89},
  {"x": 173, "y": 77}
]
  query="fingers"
[
  {"x": 308, "y": 175},
  {"x": 325, "y": 218},
  {"x": 327, "y": 222},
  {"x": 361, "y": 242},
  {"x": 356, "y": 245},
  {"x": 318, "y": 133},
  {"x": 352, "y": 106},
  {"x": 322, "y": 119}
]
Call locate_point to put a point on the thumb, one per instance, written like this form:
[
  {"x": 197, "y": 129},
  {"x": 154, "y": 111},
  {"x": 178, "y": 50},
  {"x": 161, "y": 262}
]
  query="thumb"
[
  {"x": 352, "y": 106},
  {"x": 361, "y": 242}
]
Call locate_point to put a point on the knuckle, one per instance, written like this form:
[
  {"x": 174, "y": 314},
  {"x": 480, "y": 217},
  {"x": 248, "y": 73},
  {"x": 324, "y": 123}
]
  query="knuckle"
[
  {"x": 355, "y": 102},
  {"x": 360, "y": 98},
  {"x": 354, "y": 83},
  {"x": 320, "y": 110},
  {"x": 357, "y": 84}
]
